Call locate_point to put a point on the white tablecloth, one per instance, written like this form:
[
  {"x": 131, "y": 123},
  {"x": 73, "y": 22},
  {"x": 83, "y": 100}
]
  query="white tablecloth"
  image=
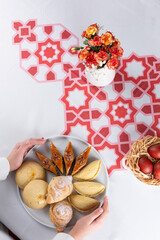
[{"x": 29, "y": 108}]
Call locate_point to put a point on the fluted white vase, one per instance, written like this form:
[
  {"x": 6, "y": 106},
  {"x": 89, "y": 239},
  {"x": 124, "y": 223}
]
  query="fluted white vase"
[{"x": 100, "y": 77}]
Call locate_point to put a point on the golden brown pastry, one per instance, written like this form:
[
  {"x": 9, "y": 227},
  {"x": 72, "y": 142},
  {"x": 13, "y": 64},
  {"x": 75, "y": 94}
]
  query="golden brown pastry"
[
  {"x": 82, "y": 203},
  {"x": 56, "y": 157},
  {"x": 34, "y": 194},
  {"x": 59, "y": 188},
  {"x": 89, "y": 172},
  {"x": 88, "y": 189},
  {"x": 28, "y": 171},
  {"x": 68, "y": 157},
  {"x": 81, "y": 160},
  {"x": 47, "y": 163},
  {"x": 60, "y": 214}
]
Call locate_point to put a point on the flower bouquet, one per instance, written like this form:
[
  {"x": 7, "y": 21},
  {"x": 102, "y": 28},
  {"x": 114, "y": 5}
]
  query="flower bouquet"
[{"x": 100, "y": 55}]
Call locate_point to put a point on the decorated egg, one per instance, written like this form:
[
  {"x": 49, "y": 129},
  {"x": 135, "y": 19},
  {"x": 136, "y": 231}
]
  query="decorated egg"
[
  {"x": 145, "y": 165},
  {"x": 154, "y": 151},
  {"x": 156, "y": 172}
]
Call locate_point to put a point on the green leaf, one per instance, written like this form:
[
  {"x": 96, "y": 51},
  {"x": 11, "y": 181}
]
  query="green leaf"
[
  {"x": 78, "y": 48},
  {"x": 85, "y": 42}
]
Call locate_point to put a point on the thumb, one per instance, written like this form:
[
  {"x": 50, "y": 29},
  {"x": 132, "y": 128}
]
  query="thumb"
[{"x": 95, "y": 214}]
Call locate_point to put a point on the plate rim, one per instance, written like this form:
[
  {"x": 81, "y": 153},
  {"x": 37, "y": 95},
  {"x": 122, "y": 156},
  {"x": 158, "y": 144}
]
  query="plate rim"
[{"x": 102, "y": 160}]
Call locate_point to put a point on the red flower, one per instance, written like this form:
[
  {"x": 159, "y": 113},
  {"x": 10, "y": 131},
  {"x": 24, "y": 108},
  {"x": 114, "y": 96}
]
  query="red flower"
[
  {"x": 90, "y": 59},
  {"x": 96, "y": 41},
  {"x": 116, "y": 52},
  {"x": 112, "y": 63},
  {"x": 116, "y": 42},
  {"x": 101, "y": 56},
  {"x": 83, "y": 34}
]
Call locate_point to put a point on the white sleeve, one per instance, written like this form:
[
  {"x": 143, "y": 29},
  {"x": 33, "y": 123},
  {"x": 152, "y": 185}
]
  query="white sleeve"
[
  {"x": 4, "y": 236},
  {"x": 63, "y": 236},
  {"x": 4, "y": 168}
]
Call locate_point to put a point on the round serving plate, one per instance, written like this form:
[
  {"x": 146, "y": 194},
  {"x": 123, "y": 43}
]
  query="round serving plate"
[{"x": 79, "y": 145}]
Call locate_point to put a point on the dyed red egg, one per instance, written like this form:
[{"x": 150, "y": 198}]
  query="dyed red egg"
[
  {"x": 154, "y": 151},
  {"x": 145, "y": 165},
  {"x": 156, "y": 171}
]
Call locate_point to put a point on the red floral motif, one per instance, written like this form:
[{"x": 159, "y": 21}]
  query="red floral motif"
[
  {"x": 121, "y": 112},
  {"x": 49, "y": 52},
  {"x": 24, "y": 31}
]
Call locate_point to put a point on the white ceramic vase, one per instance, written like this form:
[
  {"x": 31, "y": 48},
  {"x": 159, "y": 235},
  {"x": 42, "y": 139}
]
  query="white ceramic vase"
[{"x": 100, "y": 77}]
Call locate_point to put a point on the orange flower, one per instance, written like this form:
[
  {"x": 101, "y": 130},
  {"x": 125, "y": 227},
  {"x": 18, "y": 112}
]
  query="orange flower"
[
  {"x": 116, "y": 52},
  {"x": 83, "y": 54},
  {"x": 101, "y": 56},
  {"x": 107, "y": 38},
  {"x": 112, "y": 63},
  {"x": 92, "y": 30},
  {"x": 96, "y": 41}
]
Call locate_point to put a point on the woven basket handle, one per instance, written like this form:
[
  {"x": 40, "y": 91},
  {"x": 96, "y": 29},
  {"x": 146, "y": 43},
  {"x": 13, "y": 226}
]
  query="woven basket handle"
[{"x": 124, "y": 164}]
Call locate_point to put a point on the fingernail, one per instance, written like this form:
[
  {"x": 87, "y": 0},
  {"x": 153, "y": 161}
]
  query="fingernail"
[
  {"x": 100, "y": 210},
  {"x": 42, "y": 139}
]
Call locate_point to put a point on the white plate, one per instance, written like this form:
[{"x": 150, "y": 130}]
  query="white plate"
[{"x": 42, "y": 215}]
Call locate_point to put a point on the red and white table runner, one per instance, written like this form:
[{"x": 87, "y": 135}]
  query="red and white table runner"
[{"x": 110, "y": 118}]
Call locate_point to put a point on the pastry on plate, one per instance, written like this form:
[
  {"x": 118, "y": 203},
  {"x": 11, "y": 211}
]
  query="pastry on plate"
[
  {"x": 82, "y": 203},
  {"x": 60, "y": 214},
  {"x": 28, "y": 171},
  {"x": 59, "y": 188},
  {"x": 89, "y": 172},
  {"x": 88, "y": 189},
  {"x": 68, "y": 157},
  {"x": 47, "y": 163},
  {"x": 81, "y": 160},
  {"x": 56, "y": 157},
  {"x": 34, "y": 194}
]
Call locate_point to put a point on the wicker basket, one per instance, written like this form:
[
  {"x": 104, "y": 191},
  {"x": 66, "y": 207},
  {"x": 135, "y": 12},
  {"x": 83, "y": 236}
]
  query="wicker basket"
[{"x": 139, "y": 149}]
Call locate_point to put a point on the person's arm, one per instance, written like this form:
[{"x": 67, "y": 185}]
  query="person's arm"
[
  {"x": 15, "y": 158},
  {"x": 4, "y": 168},
  {"x": 4, "y": 236}
]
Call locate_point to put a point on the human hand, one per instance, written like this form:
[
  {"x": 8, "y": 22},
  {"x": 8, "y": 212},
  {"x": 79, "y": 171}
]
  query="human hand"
[
  {"x": 91, "y": 222},
  {"x": 18, "y": 153}
]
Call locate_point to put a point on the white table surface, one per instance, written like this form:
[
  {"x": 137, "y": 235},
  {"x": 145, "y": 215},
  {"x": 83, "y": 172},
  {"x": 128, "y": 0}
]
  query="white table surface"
[{"x": 134, "y": 206}]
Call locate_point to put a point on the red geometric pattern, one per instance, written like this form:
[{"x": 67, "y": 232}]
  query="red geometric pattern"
[
  {"x": 49, "y": 52},
  {"x": 24, "y": 31},
  {"x": 121, "y": 112},
  {"x": 110, "y": 118},
  {"x": 44, "y": 49},
  {"x": 130, "y": 108}
]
